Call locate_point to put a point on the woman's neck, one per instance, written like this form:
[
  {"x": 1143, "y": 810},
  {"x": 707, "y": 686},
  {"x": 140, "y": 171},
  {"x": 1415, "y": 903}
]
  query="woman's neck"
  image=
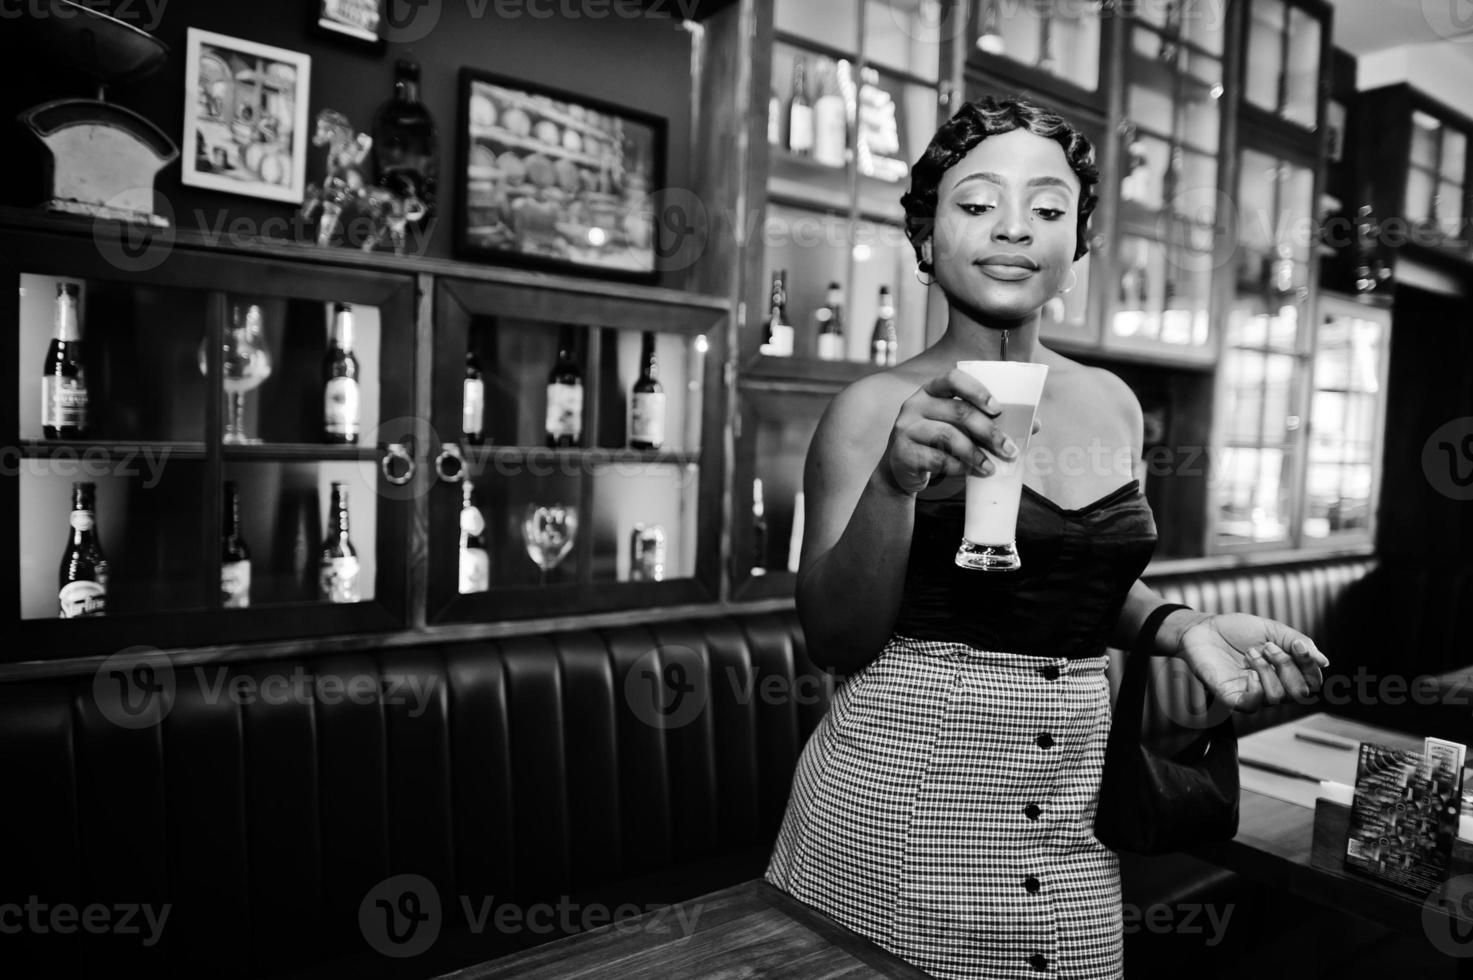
[{"x": 966, "y": 339}]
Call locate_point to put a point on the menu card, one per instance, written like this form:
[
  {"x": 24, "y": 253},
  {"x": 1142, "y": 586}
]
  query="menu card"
[{"x": 1405, "y": 814}]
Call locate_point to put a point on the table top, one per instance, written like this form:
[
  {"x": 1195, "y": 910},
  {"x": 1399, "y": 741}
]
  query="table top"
[
  {"x": 749, "y": 930},
  {"x": 1277, "y": 841}
]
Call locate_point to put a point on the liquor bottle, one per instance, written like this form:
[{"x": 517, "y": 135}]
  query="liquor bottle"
[
  {"x": 830, "y": 119},
  {"x": 405, "y": 156},
  {"x": 759, "y": 529},
  {"x": 473, "y": 401},
  {"x": 779, "y": 335},
  {"x": 337, "y": 574},
  {"x": 647, "y": 401},
  {"x": 647, "y": 553},
  {"x": 235, "y": 558},
  {"x": 564, "y": 395},
  {"x": 63, "y": 382},
  {"x": 883, "y": 342},
  {"x": 82, "y": 586},
  {"x": 830, "y": 321},
  {"x": 475, "y": 559},
  {"x": 340, "y": 406},
  {"x": 800, "y": 114}
]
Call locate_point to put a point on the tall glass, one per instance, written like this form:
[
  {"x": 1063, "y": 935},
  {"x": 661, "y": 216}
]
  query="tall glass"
[
  {"x": 245, "y": 365},
  {"x": 988, "y": 538}
]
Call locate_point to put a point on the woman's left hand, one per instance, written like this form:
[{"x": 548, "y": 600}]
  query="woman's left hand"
[{"x": 1248, "y": 661}]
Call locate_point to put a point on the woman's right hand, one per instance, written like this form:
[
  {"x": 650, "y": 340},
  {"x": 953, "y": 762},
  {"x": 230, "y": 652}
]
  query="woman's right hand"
[{"x": 944, "y": 428}]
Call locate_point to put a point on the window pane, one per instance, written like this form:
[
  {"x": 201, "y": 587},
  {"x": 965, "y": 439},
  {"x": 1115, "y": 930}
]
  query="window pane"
[
  {"x": 832, "y": 22},
  {"x": 1077, "y": 44},
  {"x": 1203, "y": 24},
  {"x": 1454, "y": 155},
  {"x": 903, "y": 34},
  {"x": 1265, "y": 58},
  {"x": 1253, "y": 496},
  {"x": 1449, "y": 203},
  {"x": 1418, "y": 205},
  {"x": 1301, "y": 81},
  {"x": 1243, "y": 373},
  {"x": 1424, "y": 140}
]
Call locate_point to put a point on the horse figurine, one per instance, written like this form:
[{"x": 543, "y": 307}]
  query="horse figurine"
[{"x": 344, "y": 184}]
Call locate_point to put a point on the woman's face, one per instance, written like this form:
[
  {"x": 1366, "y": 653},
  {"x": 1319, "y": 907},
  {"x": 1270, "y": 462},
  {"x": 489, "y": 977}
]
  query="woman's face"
[{"x": 1006, "y": 220}]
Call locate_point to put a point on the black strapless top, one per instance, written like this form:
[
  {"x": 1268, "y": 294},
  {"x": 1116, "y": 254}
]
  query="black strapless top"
[{"x": 1078, "y": 566}]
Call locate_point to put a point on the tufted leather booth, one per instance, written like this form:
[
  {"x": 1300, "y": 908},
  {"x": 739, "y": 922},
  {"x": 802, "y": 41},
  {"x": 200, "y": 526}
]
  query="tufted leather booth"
[{"x": 514, "y": 772}]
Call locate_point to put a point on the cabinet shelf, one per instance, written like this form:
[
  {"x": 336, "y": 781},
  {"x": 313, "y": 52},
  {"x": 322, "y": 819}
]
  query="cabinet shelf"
[
  {"x": 806, "y": 369},
  {"x": 482, "y": 455},
  {"x": 111, "y": 449},
  {"x": 293, "y": 452}
]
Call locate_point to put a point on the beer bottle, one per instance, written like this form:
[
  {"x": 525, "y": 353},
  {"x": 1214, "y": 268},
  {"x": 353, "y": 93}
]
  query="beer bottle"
[
  {"x": 235, "y": 557},
  {"x": 830, "y": 320},
  {"x": 82, "y": 589},
  {"x": 340, "y": 380},
  {"x": 564, "y": 396},
  {"x": 883, "y": 342},
  {"x": 63, "y": 383},
  {"x": 338, "y": 561},
  {"x": 473, "y": 401},
  {"x": 647, "y": 402},
  {"x": 475, "y": 560}
]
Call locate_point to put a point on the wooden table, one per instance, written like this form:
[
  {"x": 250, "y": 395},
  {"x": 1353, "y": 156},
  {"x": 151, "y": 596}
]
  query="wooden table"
[
  {"x": 1278, "y": 845},
  {"x": 748, "y": 930}
]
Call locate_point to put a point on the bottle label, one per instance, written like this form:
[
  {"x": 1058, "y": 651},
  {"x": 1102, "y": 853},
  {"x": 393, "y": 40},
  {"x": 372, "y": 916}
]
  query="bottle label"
[
  {"x": 800, "y": 129},
  {"x": 338, "y": 579},
  {"x": 83, "y": 599},
  {"x": 472, "y": 406},
  {"x": 235, "y": 584},
  {"x": 82, "y": 520},
  {"x": 63, "y": 402},
  {"x": 831, "y": 346},
  {"x": 829, "y": 131},
  {"x": 781, "y": 344},
  {"x": 471, "y": 521},
  {"x": 475, "y": 570},
  {"x": 647, "y": 418},
  {"x": 565, "y": 410},
  {"x": 774, "y": 121},
  {"x": 340, "y": 407}
]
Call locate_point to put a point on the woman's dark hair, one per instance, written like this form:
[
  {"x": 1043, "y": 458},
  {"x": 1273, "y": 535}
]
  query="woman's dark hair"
[{"x": 973, "y": 123}]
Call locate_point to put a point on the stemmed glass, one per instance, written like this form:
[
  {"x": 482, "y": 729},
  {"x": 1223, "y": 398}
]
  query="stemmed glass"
[
  {"x": 245, "y": 365},
  {"x": 549, "y": 531}
]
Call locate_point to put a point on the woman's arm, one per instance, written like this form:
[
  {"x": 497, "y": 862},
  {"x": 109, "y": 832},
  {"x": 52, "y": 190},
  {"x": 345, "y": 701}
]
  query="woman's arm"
[{"x": 876, "y": 446}]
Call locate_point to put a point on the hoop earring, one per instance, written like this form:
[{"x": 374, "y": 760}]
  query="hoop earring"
[
  {"x": 1073, "y": 281},
  {"x": 924, "y": 282}
]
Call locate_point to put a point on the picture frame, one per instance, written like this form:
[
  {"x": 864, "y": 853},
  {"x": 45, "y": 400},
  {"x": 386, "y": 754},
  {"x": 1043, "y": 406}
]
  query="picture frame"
[
  {"x": 359, "y": 22},
  {"x": 245, "y": 117},
  {"x": 553, "y": 180}
]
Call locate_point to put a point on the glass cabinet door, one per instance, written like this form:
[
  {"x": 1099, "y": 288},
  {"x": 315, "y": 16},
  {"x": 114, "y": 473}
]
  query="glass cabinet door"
[
  {"x": 183, "y": 435},
  {"x": 570, "y": 450},
  {"x": 1168, "y": 223},
  {"x": 1283, "y": 61},
  {"x": 1044, "y": 43}
]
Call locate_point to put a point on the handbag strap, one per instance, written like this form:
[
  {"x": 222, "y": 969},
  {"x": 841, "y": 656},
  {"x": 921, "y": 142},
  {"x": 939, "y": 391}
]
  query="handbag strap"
[{"x": 1132, "y": 696}]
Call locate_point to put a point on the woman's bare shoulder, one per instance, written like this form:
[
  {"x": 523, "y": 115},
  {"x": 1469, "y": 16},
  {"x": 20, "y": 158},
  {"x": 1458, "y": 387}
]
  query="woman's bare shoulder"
[
  {"x": 864, "y": 412},
  {"x": 1099, "y": 387}
]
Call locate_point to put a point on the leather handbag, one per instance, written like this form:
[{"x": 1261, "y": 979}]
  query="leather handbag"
[{"x": 1155, "y": 799}]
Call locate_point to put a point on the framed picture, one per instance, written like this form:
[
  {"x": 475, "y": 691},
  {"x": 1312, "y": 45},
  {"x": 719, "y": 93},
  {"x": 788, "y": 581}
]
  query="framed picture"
[
  {"x": 350, "y": 20},
  {"x": 245, "y": 117},
  {"x": 555, "y": 180}
]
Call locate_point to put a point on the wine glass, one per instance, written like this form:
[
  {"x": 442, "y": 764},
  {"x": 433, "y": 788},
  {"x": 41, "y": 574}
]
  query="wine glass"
[
  {"x": 245, "y": 365},
  {"x": 548, "y": 531}
]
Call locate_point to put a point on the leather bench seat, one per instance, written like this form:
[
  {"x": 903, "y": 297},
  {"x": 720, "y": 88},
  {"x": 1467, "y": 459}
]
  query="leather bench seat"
[{"x": 518, "y": 772}]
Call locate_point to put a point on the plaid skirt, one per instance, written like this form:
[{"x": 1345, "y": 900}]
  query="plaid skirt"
[{"x": 944, "y": 808}]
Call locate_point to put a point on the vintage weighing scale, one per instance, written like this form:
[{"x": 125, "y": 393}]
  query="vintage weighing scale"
[{"x": 104, "y": 158}]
